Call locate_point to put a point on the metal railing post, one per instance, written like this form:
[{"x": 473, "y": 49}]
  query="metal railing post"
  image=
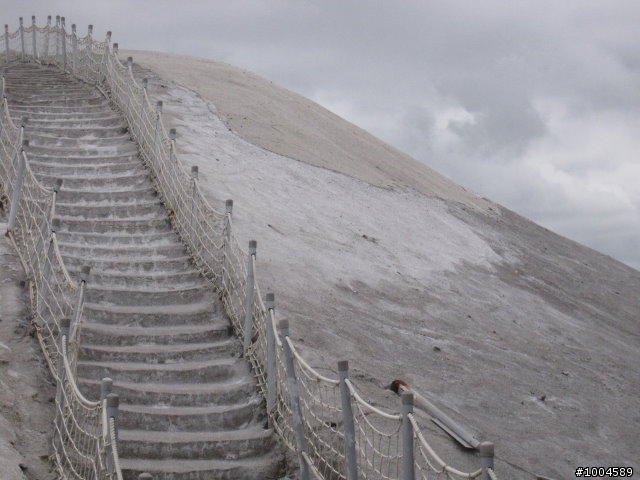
[
  {"x": 84, "y": 276},
  {"x": 63, "y": 37},
  {"x": 74, "y": 43},
  {"x": 56, "y": 190},
  {"x": 46, "y": 273},
  {"x": 157, "y": 136},
  {"x": 112, "y": 405},
  {"x": 194, "y": 199},
  {"x": 486, "y": 451},
  {"x": 61, "y": 377},
  {"x": 46, "y": 40},
  {"x": 106, "y": 388},
  {"x": 57, "y": 39},
  {"x": 17, "y": 188},
  {"x": 408, "y": 472},
  {"x": 22, "y": 37},
  {"x": 226, "y": 250},
  {"x": 348, "y": 423},
  {"x": 249, "y": 296},
  {"x": 6, "y": 42},
  {"x": 33, "y": 26},
  {"x": 172, "y": 140},
  {"x": 296, "y": 412},
  {"x": 271, "y": 353}
]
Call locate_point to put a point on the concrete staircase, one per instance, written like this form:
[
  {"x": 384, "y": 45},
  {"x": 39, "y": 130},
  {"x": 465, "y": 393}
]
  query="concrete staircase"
[{"x": 189, "y": 407}]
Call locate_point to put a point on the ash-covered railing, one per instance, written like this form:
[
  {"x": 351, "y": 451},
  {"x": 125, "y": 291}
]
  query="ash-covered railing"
[
  {"x": 84, "y": 440},
  {"x": 335, "y": 433}
]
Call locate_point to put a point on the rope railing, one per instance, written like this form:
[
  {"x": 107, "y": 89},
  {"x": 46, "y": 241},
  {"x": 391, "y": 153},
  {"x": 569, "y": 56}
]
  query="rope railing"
[
  {"x": 82, "y": 450},
  {"x": 334, "y": 432}
]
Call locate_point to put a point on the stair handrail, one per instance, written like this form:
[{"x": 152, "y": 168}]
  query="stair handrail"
[
  {"x": 32, "y": 232},
  {"x": 294, "y": 390}
]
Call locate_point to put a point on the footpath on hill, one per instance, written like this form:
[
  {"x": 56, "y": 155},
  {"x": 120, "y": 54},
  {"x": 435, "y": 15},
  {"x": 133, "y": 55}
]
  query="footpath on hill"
[{"x": 26, "y": 388}]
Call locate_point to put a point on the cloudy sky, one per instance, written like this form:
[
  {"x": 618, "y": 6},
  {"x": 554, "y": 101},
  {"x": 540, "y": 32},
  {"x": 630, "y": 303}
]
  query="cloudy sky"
[{"x": 534, "y": 104}]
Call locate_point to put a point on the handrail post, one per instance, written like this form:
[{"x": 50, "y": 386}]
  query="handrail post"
[
  {"x": 348, "y": 423},
  {"x": 33, "y": 26},
  {"x": 82, "y": 283},
  {"x": 194, "y": 199},
  {"x": 46, "y": 272},
  {"x": 61, "y": 377},
  {"x": 106, "y": 388},
  {"x": 296, "y": 412},
  {"x": 172, "y": 140},
  {"x": 74, "y": 43},
  {"x": 112, "y": 402},
  {"x": 486, "y": 451},
  {"x": 17, "y": 188},
  {"x": 114, "y": 47},
  {"x": 6, "y": 42},
  {"x": 46, "y": 40},
  {"x": 157, "y": 137},
  {"x": 57, "y": 38},
  {"x": 226, "y": 249},
  {"x": 249, "y": 296},
  {"x": 271, "y": 353},
  {"x": 408, "y": 472},
  {"x": 22, "y": 38},
  {"x": 63, "y": 36},
  {"x": 56, "y": 191}
]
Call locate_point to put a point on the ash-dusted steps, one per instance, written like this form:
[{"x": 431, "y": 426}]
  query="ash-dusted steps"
[{"x": 190, "y": 409}]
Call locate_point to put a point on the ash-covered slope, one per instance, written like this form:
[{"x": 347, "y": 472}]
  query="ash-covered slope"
[{"x": 530, "y": 340}]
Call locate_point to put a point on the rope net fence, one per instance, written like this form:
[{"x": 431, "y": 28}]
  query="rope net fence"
[
  {"x": 80, "y": 441},
  {"x": 305, "y": 408}
]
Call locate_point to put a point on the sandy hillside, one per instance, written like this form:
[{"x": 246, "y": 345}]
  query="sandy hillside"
[{"x": 527, "y": 338}]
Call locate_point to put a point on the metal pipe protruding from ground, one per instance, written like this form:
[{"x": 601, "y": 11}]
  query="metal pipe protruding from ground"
[
  {"x": 459, "y": 433},
  {"x": 486, "y": 451}
]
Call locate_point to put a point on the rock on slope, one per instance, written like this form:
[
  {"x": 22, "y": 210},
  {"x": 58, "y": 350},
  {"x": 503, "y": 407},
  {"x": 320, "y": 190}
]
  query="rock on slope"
[{"x": 529, "y": 339}]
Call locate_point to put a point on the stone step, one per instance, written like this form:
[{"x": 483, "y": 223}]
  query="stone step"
[
  {"x": 109, "y": 139},
  {"x": 265, "y": 467},
  {"x": 224, "y": 445},
  {"x": 152, "y": 223},
  {"x": 120, "y": 247},
  {"x": 125, "y": 194},
  {"x": 225, "y": 392},
  {"x": 134, "y": 295},
  {"x": 200, "y": 313},
  {"x": 79, "y": 160},
  {"x": 69, "y": 109},
  {"x": 99, "y": 334},
  {"x": 115, "y": 182},
  {"x": 104, "y": 121},
  {"x": 81, "y": 132},
  {"x": 43, "y": 115},
  {"x": 129, "y": 264},
  {"x": 184, "y": 372},
  {"x": 146, "y": 280},
  {"x": 84, "y": 169},
  {"x": 158, "y": 354},
  {"x": 151, "y": 208},
  {"x": 191, "y": 419},
  {"x": 79, "y": 101},
  {"x": 88, "y": 151}
]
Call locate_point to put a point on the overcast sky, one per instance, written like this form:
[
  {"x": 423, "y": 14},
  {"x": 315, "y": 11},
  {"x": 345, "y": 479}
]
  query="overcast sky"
[{"x": 534, "y": 104}]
